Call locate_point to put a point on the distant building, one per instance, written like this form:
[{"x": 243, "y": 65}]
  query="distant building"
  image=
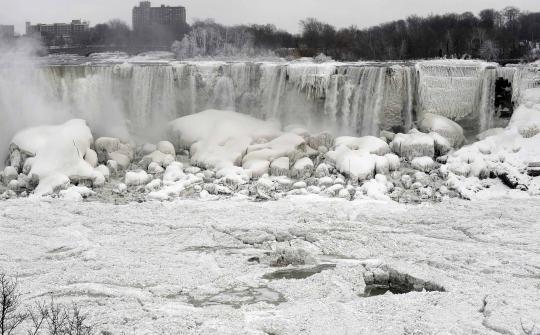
[
  {"x": 7, "y": 31},
  {"x": 58, "y": 33},
  {"x": 159, "y": 20}
]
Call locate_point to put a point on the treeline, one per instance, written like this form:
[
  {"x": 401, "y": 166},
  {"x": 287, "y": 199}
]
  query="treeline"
[{"x": 491, "y": 35}]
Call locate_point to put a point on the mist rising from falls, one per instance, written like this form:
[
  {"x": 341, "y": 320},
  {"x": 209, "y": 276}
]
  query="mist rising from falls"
[{"x": 23, "y": 102}]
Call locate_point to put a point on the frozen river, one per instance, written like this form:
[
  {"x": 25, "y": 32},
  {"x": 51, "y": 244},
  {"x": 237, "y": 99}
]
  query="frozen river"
[{"x": 209, "y": 267}]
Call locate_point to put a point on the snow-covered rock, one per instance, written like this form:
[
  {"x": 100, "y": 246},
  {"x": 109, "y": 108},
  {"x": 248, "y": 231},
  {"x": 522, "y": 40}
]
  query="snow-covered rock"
[
  {"x": 393, "y": 162},
  {"x": 444, "y": 127},
  {"x": 357, "y": 164},
  {"x": 280, "y": 167},
  {"x": 163, "y": 159},
  {"x": 58, "y": 154},
  {"x": 370, "y": 144},
  {"x": 104, "y": 171},
  {"x": 173, "y": 173},
  {"x": 155, "y": 168},
  {"x": 76, "y": 193},
  {"x": 302, "y": 168},
  {"x": 137, "y": 178},
  {"x": 9, "y": 174},
  {"x": 425, "y": 164},
  {"x": 167, "y": 148},
  {"x": 376, "y": 188},
  {"x": 414, "y": 144}
]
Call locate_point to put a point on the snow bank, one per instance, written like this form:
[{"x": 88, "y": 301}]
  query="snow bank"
[{"x": 58, "y": 154}]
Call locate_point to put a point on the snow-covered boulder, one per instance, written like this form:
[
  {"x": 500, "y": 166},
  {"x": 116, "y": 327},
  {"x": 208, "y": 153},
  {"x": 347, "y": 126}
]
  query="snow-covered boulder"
[
  {"x": 154, "y": 185},
  {"x": 104, "y": 171},
  {"x": 442, "y": 144},
  {"x": 173, "y": 173},
  {"x": 158, "y": 157},
  {"x": 137, "y": 178},
  {"x": 280, "y": 167},
  {"x": 414, "y": 144},
  {"x": 444, "y": 127},
  {"x": 104, "y": 146},
  {"x": 109, "y": 148},
  {"x": 167, "y": 148},
  {"x": 425, "y": 164},
  {"x": 357, "y": 164},
  {"x": 155, "y": 168},
  {"x": 287, "y": 145},
  {"x": 393, "y": 162},
  {"x": 302, "y": 168},
  {"x": 58, "y": 154},
  {"x": 322, "y": 170},
  {"x": 9, "y": 174},
  {"x": 76, "y": 193},
  {"x": 370, "y": 144},
  {"x": 376, "y": 188}
]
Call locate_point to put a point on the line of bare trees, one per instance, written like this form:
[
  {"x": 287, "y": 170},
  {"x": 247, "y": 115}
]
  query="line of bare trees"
[{"x": 491, "y": 35}]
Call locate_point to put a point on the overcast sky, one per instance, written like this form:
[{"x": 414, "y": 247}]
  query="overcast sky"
[{"x": 283, "y": 13}]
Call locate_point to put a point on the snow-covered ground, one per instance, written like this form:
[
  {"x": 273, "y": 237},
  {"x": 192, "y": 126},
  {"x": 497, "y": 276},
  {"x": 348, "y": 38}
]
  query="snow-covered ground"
[{"x": 205, "y": 267}]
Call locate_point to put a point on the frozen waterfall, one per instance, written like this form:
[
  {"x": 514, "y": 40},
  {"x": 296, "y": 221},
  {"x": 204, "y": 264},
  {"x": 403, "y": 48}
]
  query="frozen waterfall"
[{"x": 347, "y": 98}]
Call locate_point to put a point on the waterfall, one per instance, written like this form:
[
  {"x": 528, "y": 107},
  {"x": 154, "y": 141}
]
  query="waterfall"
[{"x": 348, "y": 98}]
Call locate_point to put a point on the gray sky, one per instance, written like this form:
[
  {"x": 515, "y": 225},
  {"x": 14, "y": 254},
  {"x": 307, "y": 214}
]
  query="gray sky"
[{"x": 283, "y": 13}]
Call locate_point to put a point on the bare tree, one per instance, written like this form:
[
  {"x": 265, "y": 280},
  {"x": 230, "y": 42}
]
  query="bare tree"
[{"x": 10, "y": 303}]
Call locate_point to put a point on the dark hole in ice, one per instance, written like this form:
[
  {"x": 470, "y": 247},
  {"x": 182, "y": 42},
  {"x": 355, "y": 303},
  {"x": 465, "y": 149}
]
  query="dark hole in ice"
[{"x": 298, "y": 273}]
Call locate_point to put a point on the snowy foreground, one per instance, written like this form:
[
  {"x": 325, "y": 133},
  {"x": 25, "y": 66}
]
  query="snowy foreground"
[{"x": 218, "y": 267}]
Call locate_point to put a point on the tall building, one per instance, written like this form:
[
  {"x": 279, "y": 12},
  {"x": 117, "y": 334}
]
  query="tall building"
[
  {"x": 165, "y": 19},
  {"x": 7, "y": 31},
  {"x": 58, "y": 33}
]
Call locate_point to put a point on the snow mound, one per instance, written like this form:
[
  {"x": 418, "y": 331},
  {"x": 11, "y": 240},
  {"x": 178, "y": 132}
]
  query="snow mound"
[
  {"x": 442, "y": 126},
  {"x": 58, "y": 153},
  {"x": 219, "y": 138}
]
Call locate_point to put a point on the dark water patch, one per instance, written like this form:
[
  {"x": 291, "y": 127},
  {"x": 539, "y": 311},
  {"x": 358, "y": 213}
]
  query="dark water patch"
[
  {"x": 238, "y": 297},
  {"x": 298, "y": 273},
  {"x": 385, "y": 279},
  {"x": 212, "y": 249}
]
